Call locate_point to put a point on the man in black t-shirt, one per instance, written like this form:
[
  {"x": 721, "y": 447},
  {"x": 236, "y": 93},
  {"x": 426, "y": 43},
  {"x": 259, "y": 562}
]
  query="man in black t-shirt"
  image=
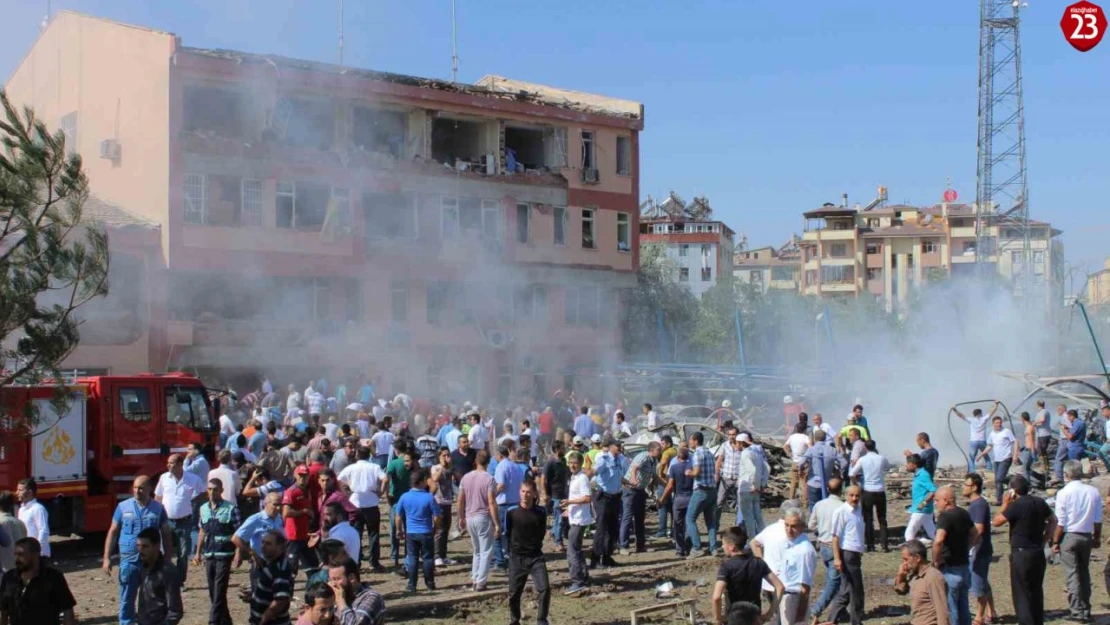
[
  {"x": 955, "y": 535},
  {"x": 980, "y": 511},
  {"x": 741, "y": 575},
  {"x": 34, "y": 593},
  {"x": 1032, "y": 524},
  {"x": 462, "y": 459},
  {"x": 525, "y": 527},
  {"x": 555, "y": 487}
]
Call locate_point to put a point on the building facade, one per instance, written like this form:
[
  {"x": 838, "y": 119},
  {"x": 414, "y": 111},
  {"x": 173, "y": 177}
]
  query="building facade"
[
  {"x": 700, "y": 247},
  {"x": 770, "y": 268},
  {"x": 316, "y": 219},
  {"x": 888, "y": 251}
]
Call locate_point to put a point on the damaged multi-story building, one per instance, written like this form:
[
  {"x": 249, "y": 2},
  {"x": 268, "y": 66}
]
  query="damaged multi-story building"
[
  {"x": 769, "y": 268},
  {"x": 699, "y": 245},
  {"x": 312, "y": 219}
]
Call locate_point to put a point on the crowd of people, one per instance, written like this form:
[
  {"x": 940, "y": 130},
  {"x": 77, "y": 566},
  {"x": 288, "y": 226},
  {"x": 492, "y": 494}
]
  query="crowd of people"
[{"x": 299, "y": 480}]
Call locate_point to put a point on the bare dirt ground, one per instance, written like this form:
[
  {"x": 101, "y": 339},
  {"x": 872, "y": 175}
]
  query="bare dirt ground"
[{"x": 609, "y": 600}]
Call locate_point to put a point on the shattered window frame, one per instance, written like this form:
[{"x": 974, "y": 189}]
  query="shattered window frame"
[
  {"x": 559, "y": 216},
  {"x": 492, "y": 218},
  {"x": 194, "y": 198},
  {"x": 253, "y": 195},
  {"x": 589, "y": 150},
  {"x": 624, "y": 232},
  {"x": 589, "y": 237},
  {"x": 402, "y": 202},
  {"x": 373, "y": 115}
]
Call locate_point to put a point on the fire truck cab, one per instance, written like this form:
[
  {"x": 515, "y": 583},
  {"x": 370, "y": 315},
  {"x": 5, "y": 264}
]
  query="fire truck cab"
[{"x": 114, "y": 429}]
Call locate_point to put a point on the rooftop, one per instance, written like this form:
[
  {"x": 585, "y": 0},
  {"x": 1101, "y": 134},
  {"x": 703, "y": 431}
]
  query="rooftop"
[{"x": 113, "y": 216}]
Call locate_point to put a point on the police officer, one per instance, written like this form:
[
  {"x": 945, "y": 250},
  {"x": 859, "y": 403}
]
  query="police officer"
[
  {"x": 218, "y": 521},
  {"x": 131, "y": 517}
]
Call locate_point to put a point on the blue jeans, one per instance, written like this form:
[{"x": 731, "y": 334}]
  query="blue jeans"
[
  {"x": 501, "y": 545},
  {"x": 958, "y": 579},
  {"x": 973, "y": 449},
  {"x": 832, "y": 582},
  {"x": 704, "y": 502},
  {"x": 1101, "y": 451},
  {"x": 130, "y": 576},
  {"x": 394, "y": 545},
  {"x": 814, "y": 496},
  {"x": 665, "y": 513},
  {"x": 423, "y": 544},
  {"x": 556, "y": 512},
  {"x": 182, "y": 530},
  {"x": 750, "y": 513},
  {"x": 633, "y": 507}
]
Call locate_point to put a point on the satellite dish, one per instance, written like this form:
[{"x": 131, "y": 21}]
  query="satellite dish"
[{"x": 927, "y": 220}]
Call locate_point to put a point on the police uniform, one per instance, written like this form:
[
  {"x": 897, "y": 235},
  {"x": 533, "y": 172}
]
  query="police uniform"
[
  {"x": 219, "y": 526},
  {"x": 132, "y": 518}
]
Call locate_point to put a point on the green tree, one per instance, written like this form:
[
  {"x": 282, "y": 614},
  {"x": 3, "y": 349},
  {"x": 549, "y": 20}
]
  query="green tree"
[
  {"x": 657, "y": 289},
  {"x": 51, "y": 262}
]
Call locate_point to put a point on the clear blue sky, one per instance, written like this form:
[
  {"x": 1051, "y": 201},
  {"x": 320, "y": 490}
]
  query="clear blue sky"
[{"x": 768, "y": 108}]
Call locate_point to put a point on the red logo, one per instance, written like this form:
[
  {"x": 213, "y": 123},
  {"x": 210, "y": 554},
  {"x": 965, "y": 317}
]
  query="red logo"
[
  {"x": 1083, "y": 24},
  {"x": 950, "y": 195}
]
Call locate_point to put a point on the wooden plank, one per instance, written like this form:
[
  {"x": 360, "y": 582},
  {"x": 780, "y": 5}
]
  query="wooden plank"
[{"x": 689, "y": 603}]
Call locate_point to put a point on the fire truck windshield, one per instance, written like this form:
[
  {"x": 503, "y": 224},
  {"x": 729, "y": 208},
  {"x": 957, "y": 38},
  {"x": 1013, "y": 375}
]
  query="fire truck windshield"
[{"x": 186, "y": 406}]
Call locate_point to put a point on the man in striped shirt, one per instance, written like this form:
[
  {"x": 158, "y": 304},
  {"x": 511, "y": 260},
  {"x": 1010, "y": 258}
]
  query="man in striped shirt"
[
  {"x": 356, "y": 603},
  {"x": 704, "y": 499},
  {"x": 270, "y": 599},
  {"x": 641, "y": 474}
]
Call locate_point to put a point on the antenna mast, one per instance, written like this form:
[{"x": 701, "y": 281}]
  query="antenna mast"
[
  {"x": 1001, "y": 195},
  {"x": 341, "y": 32},
  {"x": 454, "y": 45}
]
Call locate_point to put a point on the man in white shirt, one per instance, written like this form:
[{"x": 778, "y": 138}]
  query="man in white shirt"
[
  {"x": 228, "y": 476},
  {"x": 293, "y": 400},
  {"x": 382, "y": 443},
  {"x": 797, "y": 443},
  {"x": 799, "y": 563},
  {"x": 33, "y": 514},
  {"x": 873, "y": 469},
  {"x": 848, "y": 546},
  {"x": 227, "y": 429},
  {"x": 337, "y": 527},
  {"x": 1079, "y": 510},
  {"x": 977, "y": 441},
  {"x": 479, "y": 434},
  {"x": 771, "y": 544},
  {"x": 365, "y": 480},
  {"x": 749, "y": 486},
  {"x": 176, "y": 491},
  {"x": 651, "y": 417},
  {"x": 819, "y": 424},
  {"x": 580, "y": 516},
  {"x": 1003, "y": 452},
  {"x": 314, "y": 400},
  {"x": 821, "y": 521}
]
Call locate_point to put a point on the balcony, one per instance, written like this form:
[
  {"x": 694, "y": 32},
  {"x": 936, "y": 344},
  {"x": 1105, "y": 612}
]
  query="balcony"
[
  {"x": 838, "y": 261},
  {"x": 838, "y": 287},
  {"x": 963, "y": 232}
]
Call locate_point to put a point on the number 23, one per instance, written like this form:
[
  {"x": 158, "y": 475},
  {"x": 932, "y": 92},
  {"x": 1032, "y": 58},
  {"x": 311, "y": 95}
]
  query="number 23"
[{"x": 1089, "y": 22}]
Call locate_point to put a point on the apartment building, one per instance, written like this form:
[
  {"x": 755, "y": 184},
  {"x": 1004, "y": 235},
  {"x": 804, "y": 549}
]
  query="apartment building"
[
  {"x": 1097, "y": 290},
  {"x": 316, "y": 219},
  {"x": 701, "y": 247},
  {"x": 770, "y": 268},
  {"x": 888, "y": 251}
]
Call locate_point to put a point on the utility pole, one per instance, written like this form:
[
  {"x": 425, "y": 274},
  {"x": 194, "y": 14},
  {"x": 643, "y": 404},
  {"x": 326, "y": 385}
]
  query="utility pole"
[
  {"x": 1001, "y": 192},
  {"x": 341, "y": 32},
  {"x": 454, "y": 45}
]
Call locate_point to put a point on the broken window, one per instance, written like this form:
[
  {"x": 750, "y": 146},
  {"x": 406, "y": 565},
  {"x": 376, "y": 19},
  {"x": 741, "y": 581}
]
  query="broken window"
[
  {"x": 379, "y": 130},
  {"x": 525, "y": 148},
  {"x": 471, "y": 215},
  {"x": 523, "y": 212},
  {"x": 195, "y": 205},
  {"x": 589, "y": 160},
  {"x": 555, "y": 147},
  {"x": 224, "y": 201},
  {"x": 588, "y": 228},
  {"x": 624, "y": 156},
  {"x": 449, "y": 218},
  {"x": 624, "y": 233},
  {"x": 455, "y": 140},
  {"x": 560, "y": 216},
  {"x": 302, "y": 205},
  {"x": 304, "y": 123},
  {"x": 211, "y": 110},
  {"x": 389, "y": 215}
]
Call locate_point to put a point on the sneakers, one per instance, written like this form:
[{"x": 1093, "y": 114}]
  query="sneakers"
[
  {"x": 574, "y": 590},
  {"x": 479, "y": 587},
  {"x": 446, "y": 562},
  {"x": 440, "y": 562},
  {"x": 698, "y": 554},
  {"x": 410, "y": 588},
  {"x": 625, "y": 552}
]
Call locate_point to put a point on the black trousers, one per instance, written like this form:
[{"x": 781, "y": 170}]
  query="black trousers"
[
  {"x": 520, "y": 569},
  {"x": 298, "y": 553},
  {"x": 678, "y": 522},
  {"x": 219, "y": 574},
  {"x": 849, "y": 599},
  {"x": 370, "y": 523},
  {"x": 444, "y": 531},
  {"x": 874, "y": 506},
  {"x": 1027, "y": 585},
  {"x": 608, "y": 519}
]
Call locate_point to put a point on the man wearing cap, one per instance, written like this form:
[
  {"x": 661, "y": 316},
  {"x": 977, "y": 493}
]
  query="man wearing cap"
[
  {"x": 609, "y": 471},
  {"x": 296, "y": 509},
  {"x": 579, "y": 444}
]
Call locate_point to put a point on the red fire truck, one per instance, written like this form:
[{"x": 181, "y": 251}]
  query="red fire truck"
[{"x": 114, "y": 428}]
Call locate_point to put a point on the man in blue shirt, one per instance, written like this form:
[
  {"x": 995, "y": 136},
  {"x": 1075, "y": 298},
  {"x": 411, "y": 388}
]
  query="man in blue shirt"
[
  {"x": 923, "y": 490},
  {"x": 441, "y": 436},
  {"x": 507, "y": 478},
  {"x": 609, "y": 469},
  {"x": 819, "y": 463},
  {"x": 703, "y": 501},
  {"x": 584, "y": 425},
  {"x": 1077, "y": 435},
  {"x": 418, "y": 517},
  {"x": 248, "y": 538},
  {"x": 131, "y": 517}
]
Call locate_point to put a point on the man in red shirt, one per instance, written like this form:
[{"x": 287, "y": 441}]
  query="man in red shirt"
[
  {"x": 547, "y": 426},
  {"x": 315, "y": 465},
  {"x": 296, "y": 509}
]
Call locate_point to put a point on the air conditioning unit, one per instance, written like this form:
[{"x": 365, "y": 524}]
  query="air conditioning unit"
[
  {"x": 590, "y": 175},
  {"x": 498, "y": 339},
  {"x": 110, "y": 149}
]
